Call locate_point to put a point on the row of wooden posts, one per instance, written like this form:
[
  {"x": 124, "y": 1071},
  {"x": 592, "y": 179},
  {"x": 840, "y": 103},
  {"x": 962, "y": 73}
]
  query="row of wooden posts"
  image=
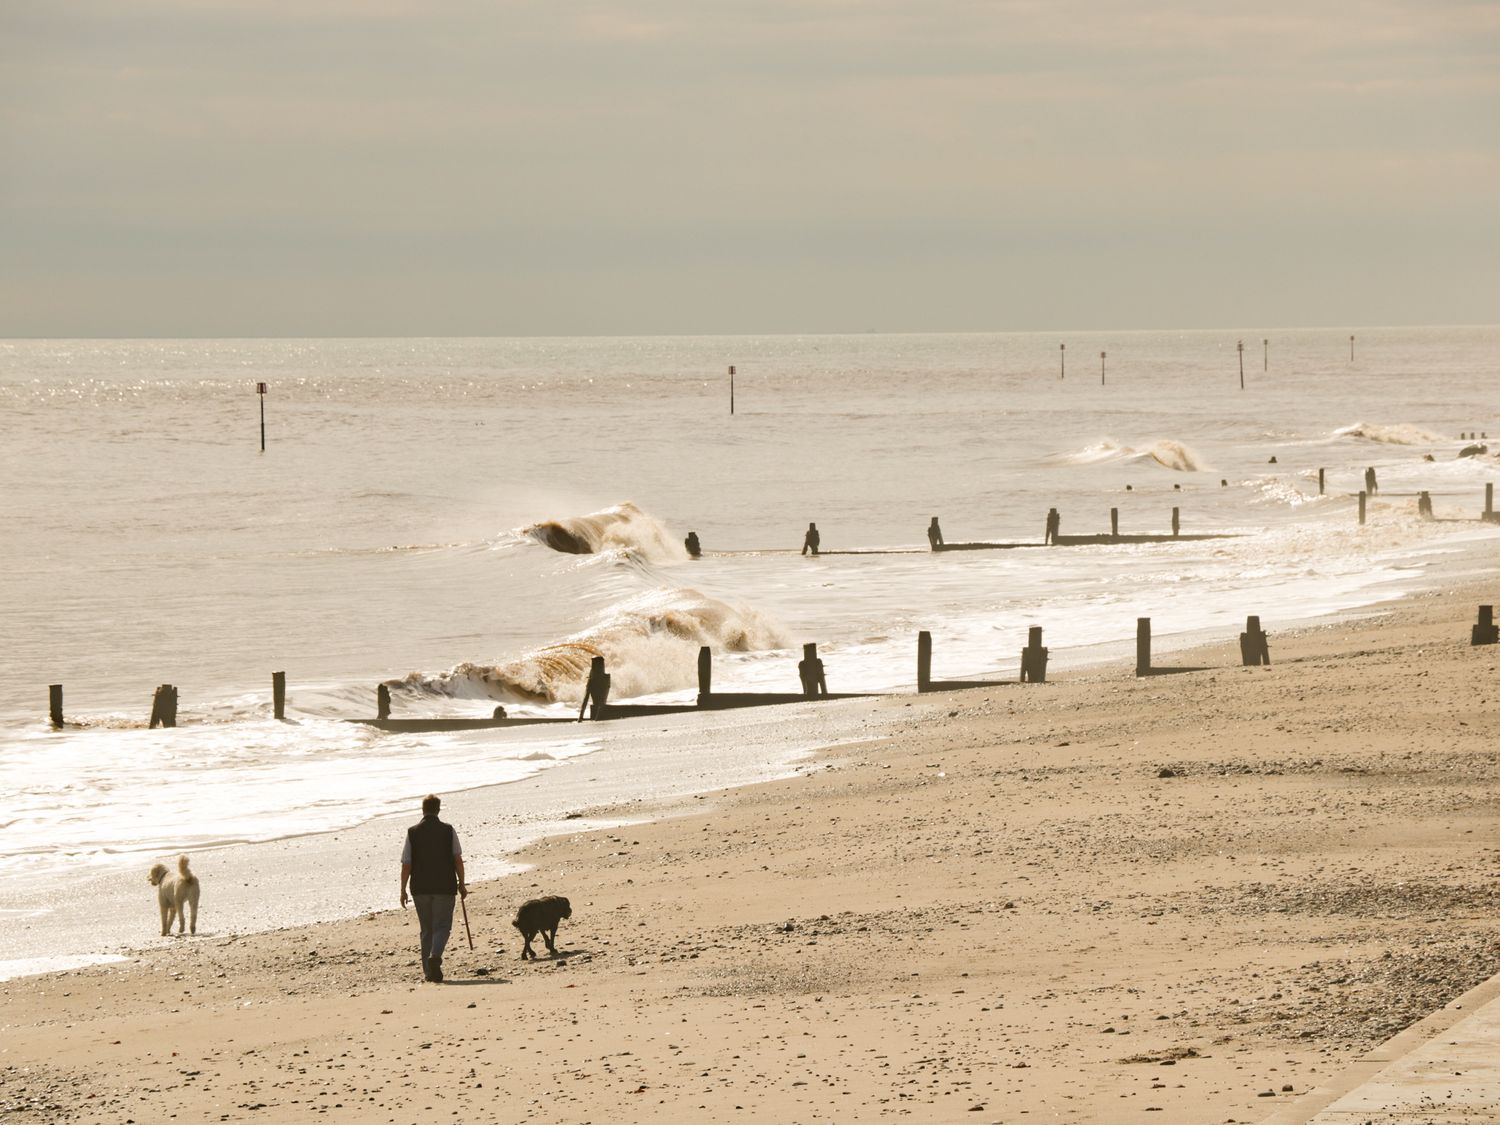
[
  {"x": 1254, "y": 650},
  {"x": 1052, "y": 534},
  {"x": 810, "y": 672}
]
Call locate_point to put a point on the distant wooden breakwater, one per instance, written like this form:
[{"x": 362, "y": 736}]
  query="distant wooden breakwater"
[
  {"x": 1052, "y": 535},
  {"x": 1254, "y": 644}
]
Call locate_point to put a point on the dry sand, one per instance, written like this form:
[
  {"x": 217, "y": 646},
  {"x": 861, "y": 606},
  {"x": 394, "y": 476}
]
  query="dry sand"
[{"x": 996, "y": 909}]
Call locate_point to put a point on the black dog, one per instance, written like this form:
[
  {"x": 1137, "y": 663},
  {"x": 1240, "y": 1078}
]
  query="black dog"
[{"x": 541, "y": 916}]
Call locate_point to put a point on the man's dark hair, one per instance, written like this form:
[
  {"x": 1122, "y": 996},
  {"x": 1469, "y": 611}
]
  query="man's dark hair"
[{"x": 430, "y": 805}]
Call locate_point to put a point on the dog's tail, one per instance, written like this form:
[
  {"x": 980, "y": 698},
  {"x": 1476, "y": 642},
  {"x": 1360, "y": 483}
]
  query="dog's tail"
[{"x": 182, "y": 870}]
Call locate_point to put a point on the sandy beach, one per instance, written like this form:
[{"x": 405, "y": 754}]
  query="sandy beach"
[{"x": 1186, "y": 898}]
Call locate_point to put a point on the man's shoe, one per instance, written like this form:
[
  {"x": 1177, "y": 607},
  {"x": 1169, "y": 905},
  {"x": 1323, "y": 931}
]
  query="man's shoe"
[{"x": 436, "y": 975}]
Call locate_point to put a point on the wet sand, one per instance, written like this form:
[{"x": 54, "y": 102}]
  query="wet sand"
[{"x": 996, "y": 908}]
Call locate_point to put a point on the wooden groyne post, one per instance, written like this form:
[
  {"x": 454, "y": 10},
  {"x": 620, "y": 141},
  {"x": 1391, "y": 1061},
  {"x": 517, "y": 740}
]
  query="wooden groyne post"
[
  {"x": 382, "y": 702},
  {"x": 1363, "y": 497},
  {"x": 595, "y": 691},
  {"x": 924, "y": 661},
  {"x": 1255, "y": 647},
  {"x": 1114, "y": 523},
  {"x": 54, "y": 704},
  {"x": 278, "y": 694},
  {"x": 1034, "y": 658},
  {"x": 810, "y": 672},
  {"x": 163, "y": 707},
  {"x": 1485, "y": 631},
  {"x": 1143, "y": 646},
  {"x": 705, "y": 673},
  {"x": 1489, "y": 500},
  {"x": 1176, "y": 522},
  {"x": 1320, "y": 481},
  {"x": 260, "y": 389}
]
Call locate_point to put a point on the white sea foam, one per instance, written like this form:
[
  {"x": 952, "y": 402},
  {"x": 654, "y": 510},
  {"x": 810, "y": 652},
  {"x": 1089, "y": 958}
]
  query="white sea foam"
[
  {"x": 36, "y": 966},
  {"x": 96, "y": 798},
  {"x": 1281, "y": 491},
  {"x": 1165, "y": 452},
  {"x": 1395, "y": 433}
]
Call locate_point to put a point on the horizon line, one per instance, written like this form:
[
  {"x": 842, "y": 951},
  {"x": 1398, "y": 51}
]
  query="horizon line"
[{"x": 751, "y": 335}]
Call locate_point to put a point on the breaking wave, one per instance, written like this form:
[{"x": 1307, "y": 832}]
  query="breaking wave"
[
  {"x": 1395, "y": 434},
  {"x": 1166, "y": 453},
  {"x": 623, "y": 527},
  {"x": 650, "y": 644}
]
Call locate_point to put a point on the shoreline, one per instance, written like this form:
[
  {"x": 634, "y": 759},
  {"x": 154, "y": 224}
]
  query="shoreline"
[{"x": 989, "y": 898}]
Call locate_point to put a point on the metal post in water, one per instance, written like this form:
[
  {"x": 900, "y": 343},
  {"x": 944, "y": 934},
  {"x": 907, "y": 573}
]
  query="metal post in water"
[
  {"x": 1265, "y": 355},
  {"x": 260, "y": 389},
  {"x": 731, "y": 388},
  {"x": 1101, "y": 369},
  {"x": 1242, "y": 364},
  {"x": 54, "y": 704},
  {"x": 1351, "y": 349},
  {"x": 1062, "y": 361}
]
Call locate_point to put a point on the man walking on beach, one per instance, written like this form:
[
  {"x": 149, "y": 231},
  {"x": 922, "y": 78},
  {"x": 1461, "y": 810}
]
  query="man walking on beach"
[{"x": 433, "y": 863}]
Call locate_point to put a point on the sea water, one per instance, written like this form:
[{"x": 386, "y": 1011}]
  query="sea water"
[{"x": 395, "y": 530}]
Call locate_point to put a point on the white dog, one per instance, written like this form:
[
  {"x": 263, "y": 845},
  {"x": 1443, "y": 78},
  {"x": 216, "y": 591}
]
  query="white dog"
[{"x": 173, "y": 893}]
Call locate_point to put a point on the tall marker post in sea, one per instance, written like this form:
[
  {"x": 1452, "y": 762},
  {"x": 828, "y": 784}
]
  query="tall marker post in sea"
[
  {"x": 1351, "y": 349},
  {"x": 1241, "y": 347},
  {"x": 1101, "y": 369},
  {"x": 260, "y": 389},
  {"x": 1265, "y": 355},
  {"x": 731, "y": 388},
  {"x": 1062, "y": 361}
]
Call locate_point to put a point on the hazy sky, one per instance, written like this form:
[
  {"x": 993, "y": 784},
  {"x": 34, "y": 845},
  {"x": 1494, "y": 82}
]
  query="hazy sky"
[{"x": 437, "y": 167}]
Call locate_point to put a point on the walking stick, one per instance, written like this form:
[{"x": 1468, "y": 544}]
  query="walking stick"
[{"x": 467, "y": 931}]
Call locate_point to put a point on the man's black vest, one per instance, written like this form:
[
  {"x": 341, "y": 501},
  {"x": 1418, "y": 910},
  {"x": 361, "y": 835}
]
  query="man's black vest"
[{"x": 432, "y": 858}]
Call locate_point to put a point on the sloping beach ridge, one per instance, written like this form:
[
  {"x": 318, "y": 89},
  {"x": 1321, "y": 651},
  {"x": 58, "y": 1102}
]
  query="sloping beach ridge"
[{"x": 1191, "y": 898}]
